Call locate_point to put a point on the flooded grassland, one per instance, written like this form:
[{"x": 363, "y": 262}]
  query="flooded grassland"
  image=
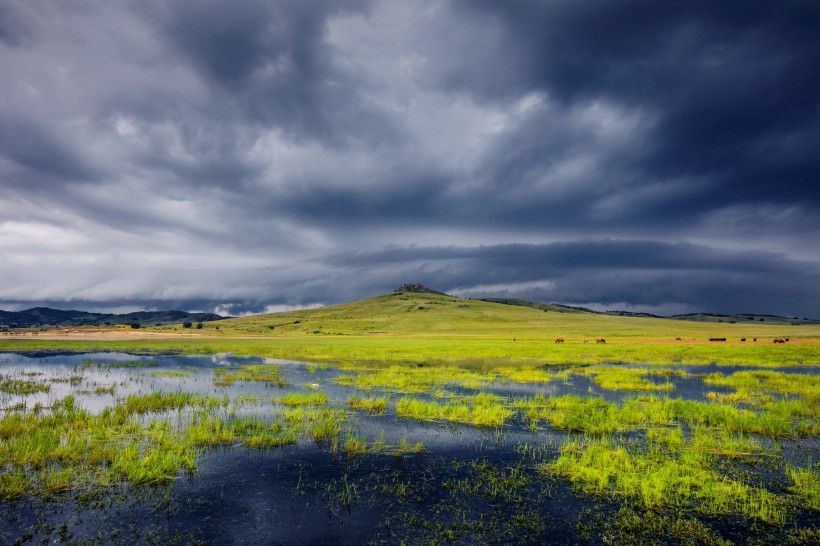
[{"x": 116, "y": 448}]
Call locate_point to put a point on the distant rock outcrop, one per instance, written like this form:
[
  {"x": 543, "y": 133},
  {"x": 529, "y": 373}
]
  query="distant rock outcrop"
[{"x": 410, "y": 287}]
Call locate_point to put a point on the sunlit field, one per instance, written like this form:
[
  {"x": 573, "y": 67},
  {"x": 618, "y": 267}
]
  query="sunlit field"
[
  {"x": 426, "y": 327},
  {"x": 379, "y": 422}
]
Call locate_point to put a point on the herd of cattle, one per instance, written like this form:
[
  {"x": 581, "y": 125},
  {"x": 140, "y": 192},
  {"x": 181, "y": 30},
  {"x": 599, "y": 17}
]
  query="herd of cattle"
[{"x": 743, "y": 339}]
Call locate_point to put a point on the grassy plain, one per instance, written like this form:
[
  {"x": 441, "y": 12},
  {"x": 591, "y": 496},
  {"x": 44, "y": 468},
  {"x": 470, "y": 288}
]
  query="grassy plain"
[
  {"x": 673, "y": 464},
  {"x": 438, "y": 329}
]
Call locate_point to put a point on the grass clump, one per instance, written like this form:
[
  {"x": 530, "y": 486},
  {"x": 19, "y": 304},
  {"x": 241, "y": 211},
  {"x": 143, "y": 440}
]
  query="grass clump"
[
  {"x": 254, "y": 433},
  {"x": 156, "y": 402},
  {"x": 376, "y": 405},
  {"x": 22, "y": 386},
  {"x": 805, "y": 485},
  {"x": 303, "y": 399},
  {"x": 481, "y": 410},
  {"x": 266, "y": 373}
]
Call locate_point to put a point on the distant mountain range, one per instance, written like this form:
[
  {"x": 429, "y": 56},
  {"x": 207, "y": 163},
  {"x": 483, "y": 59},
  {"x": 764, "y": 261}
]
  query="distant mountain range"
[
  {"x": 43, "y": 316},
  {"x": 695, "y": 317}
]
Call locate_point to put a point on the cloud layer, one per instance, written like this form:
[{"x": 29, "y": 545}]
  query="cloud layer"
[{"x": 247, "y": 154}]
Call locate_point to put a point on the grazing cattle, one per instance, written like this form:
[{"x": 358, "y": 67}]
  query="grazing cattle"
[
  {"x": 600, "y": 340},
  {"x": 559, "y": 340},
  {"x": 743, "y": 339},
  {"x": 787, "y": 340},
  {"x": 717, "y": 339},
  {"x": 755, "y": 340},
  {"x": 677, "y": 339},
  {"x": 778, "y": 340}
]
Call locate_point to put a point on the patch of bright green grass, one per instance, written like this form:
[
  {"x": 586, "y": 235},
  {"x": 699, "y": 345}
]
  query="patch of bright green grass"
[
  {"x": 592, "y": 415},
  {"x": 626, "y": 379},
  {"x": 482, "y": 410},
  {"x": 660, "y": 479},
  {"x": 753, "y": 383},
  {"x": 303, "y": 399},
  {"x": 253, "y": 433},
  {"x": 410, "y": 379},
  {"x": 531, "y": 375},
  {"x": 376, "y": 405}
]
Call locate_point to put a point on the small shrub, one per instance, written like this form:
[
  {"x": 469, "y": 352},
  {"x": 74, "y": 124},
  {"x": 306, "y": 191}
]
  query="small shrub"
[{"x": 186, "y": 324}]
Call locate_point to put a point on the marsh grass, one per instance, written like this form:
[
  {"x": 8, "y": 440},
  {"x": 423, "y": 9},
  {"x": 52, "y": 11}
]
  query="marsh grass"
[
  {"x": 54, "y": 450},
  {"x": 531, "y": 375},
  {"x": 156, "y": 402},
  {"x": 661, "y": 479},
  {"x": 481, "y": 410},
  {"x": 209, "y": 431},
  {"x": 303, "y": 399},
  {"x": 413, "y": 379},
  {"x": 121, "y": 364},
  {"x": 779, "y": 419},
  {"x": 171, "y": 373},
  {"x": 627, "y": 379},
  {"x": 265, "y": 373},
  {"x": 805, "y": 485},
  {"x": 754, "y": 385},
  {"x": 377, "y": 405},
  {"x": 22, "y": 386}
]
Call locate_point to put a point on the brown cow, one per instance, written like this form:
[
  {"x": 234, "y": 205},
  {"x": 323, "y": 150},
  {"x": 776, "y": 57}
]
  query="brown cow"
[
  {"x": 677, "y": 339},
  {"x": 559, "y": 340},
  {"x": 600, "y": 340},
  {"x": 743, "y": 339}
]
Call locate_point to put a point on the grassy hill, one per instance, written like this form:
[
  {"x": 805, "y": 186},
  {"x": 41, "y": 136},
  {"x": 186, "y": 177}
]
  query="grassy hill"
[{"x": 426, "y": 314}]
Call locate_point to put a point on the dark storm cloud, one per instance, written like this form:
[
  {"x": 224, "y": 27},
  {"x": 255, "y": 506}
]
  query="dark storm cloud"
[
  {"x": 271, "y": 59},
  {"x": 238, "y": 155},
  {"x": 735, "y": 84},
  {"x": 39, "y": 151},
  {"x": 608, "y": 272}
]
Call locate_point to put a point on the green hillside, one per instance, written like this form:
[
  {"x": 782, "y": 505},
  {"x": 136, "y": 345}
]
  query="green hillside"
[{"x": 426, "y": 314}]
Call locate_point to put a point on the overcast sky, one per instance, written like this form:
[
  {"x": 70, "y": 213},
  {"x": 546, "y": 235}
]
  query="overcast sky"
[{"x": 253, "y": 155}]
